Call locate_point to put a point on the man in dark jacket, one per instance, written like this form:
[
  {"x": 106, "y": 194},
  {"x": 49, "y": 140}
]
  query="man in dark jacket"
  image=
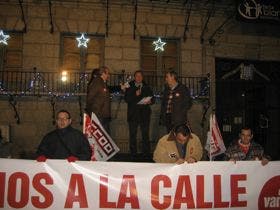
[
  {"x": 246, "y": 149},
  {"x": 176, "y": 102},
  {"x": 98, "y": 97},
  {"x": 64, "y": 142},
  {"x": 139, "y": 112}
]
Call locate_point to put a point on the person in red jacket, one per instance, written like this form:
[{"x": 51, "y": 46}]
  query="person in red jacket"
[{"x": 65, "y": 142}]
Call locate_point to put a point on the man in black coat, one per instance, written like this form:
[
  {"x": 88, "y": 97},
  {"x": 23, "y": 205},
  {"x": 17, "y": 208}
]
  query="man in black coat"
[
  {"x": 176, "y": 102},
  {"x": 139, "y": 112},
  {"x": 64, "y": 142}
]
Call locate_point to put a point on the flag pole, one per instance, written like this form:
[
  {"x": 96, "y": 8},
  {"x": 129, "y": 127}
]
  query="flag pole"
[
  {"x": 211, "y": 116},
  {"x": 211, "y": 125}
]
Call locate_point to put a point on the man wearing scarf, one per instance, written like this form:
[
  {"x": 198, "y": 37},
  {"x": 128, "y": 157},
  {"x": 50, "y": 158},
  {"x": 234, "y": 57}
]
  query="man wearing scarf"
[{"x": 246, "y": 149}]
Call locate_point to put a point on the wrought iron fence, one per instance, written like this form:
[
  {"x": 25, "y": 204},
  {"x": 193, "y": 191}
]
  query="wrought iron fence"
[{"x": 35, "y": 83}]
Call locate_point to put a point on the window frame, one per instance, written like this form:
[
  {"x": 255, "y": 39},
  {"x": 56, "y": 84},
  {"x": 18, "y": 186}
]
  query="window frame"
[
  {"x": 4, "y": 49},
  {"x": 159, "y": 55},
  {"x": 82, "y": 50}
]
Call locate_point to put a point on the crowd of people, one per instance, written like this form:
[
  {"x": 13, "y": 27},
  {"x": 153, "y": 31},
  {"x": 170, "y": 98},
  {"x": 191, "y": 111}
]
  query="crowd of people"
[{"x": 179, "y": 145}]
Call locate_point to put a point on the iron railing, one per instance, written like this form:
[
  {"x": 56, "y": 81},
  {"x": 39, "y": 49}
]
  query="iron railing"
[{"x": 35, "y": 83}]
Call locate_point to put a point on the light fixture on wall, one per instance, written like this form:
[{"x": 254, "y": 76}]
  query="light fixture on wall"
[
  {"x": 4, "y": 37},
  {"x": 64, "y": 76},
  {"x": 82, "y": 41},
  {"x": 159, "y": 44}
]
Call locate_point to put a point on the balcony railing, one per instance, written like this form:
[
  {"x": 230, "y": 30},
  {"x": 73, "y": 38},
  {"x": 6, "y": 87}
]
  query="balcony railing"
[{"x": 35, "y": 83}]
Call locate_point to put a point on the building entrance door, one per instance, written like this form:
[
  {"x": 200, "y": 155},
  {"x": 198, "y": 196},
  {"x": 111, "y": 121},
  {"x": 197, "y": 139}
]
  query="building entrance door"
[{"x": 249, "y": 100}]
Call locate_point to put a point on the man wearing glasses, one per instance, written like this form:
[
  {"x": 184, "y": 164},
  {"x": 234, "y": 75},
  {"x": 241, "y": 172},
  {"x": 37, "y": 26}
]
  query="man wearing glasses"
[{"x": 64, "y": 142}]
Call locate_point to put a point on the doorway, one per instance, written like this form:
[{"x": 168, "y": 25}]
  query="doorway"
[{"x": 249, "y": 97}]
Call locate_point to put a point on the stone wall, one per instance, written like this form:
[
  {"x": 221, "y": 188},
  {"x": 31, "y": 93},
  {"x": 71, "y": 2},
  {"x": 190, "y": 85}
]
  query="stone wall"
[
  {"x": 41, "y": 49},
  {"x": 36, "y": 119}
]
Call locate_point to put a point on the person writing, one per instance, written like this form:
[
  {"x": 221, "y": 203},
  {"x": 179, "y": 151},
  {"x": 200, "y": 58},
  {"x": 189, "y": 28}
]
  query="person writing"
[{"x": 179, "y": 146}]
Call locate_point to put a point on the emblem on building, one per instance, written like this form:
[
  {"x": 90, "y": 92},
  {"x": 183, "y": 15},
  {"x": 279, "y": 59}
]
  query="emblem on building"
[{"x": 258, "y": 9}]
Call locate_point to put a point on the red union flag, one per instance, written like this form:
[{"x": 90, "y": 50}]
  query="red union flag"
[
  {"x": 102, "y": 145},
  {"x": 215, "y": 144}
]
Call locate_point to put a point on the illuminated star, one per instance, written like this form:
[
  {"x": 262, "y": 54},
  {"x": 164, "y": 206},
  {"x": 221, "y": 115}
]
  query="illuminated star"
[
  {"x": 3, "y": 38},
  {"x": 82, "y": 40},
  {"x": 159, "y": 44}
]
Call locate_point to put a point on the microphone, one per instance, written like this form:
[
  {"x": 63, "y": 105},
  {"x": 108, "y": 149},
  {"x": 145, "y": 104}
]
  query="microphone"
[{"x": 139, "y": 87}]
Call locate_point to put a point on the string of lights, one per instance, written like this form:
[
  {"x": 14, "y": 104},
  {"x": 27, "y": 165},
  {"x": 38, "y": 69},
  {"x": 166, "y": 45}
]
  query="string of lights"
[{"x": 65, "y": 85}]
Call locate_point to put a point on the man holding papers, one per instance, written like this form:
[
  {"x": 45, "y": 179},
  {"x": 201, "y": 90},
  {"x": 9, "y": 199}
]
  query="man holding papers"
[{"x": 139, "y": 97}]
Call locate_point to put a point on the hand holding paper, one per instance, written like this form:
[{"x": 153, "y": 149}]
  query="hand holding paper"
[{"x": 145, "y": 100}]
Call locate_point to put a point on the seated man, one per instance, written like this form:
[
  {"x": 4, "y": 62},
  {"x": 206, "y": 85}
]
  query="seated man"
[
  {"x": 245, "y": 148},
  {"x": 64, "y": 142},
  {"x": 179, "y": 146}
]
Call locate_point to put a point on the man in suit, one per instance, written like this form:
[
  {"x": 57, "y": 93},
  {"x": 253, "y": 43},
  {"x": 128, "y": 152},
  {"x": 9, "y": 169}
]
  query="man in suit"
[{"x": 138, "y": 114}]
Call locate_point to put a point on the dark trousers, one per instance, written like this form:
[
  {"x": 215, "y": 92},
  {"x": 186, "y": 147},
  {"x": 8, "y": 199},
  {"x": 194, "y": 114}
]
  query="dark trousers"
[
  {"x": 144, "y": 126},
  {"x": 168, "y": 122},
  {"x": 105, "y": 122}
]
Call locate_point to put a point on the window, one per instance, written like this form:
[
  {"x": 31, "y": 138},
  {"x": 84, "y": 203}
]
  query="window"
[
  {"x": 11, "y": 54},
  {"x": 81, "y": 59},
  {"x": 156, "y": 63}
]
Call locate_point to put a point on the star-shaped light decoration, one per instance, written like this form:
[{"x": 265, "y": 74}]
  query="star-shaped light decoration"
[
  {"x": 159, "y": 44},
  {"x": 3, "y": 37},
  {"x": 82, "y": 40}
]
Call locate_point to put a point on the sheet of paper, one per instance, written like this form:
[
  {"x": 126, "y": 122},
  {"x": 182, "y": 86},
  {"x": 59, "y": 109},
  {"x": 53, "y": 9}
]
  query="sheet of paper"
[{"x": 145, "y": 100}]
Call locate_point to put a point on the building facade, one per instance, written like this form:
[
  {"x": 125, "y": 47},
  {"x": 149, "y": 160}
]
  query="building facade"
[{"x": 43, "y": 36}]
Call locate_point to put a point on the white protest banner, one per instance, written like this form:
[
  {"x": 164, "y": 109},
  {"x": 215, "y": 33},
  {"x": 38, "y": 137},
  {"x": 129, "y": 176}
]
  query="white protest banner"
[
  {"x": 57, "y": 184},
  {"x": 102, "y": 145}
]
